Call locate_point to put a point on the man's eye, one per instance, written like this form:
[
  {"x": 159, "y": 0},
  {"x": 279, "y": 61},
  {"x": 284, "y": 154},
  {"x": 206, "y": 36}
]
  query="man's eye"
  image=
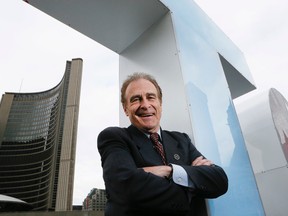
[{"x": 135, "y": 99}]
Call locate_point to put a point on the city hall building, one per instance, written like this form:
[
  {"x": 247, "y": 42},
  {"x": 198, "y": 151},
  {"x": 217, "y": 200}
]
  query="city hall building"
[{"x": 38, "y": 141}]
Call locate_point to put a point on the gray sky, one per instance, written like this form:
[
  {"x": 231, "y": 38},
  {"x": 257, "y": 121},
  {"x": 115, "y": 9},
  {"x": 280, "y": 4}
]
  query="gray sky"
[{"x": 34, "y": 48}]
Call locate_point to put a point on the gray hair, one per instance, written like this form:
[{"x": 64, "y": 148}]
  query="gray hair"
[{"x": 137, "y": 76}]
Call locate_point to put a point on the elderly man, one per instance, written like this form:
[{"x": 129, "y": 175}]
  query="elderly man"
[{"x": 150, "y": 171}]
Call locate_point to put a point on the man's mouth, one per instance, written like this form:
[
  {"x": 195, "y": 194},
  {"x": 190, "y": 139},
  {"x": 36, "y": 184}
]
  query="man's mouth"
[{"x": 145, "y": 114}]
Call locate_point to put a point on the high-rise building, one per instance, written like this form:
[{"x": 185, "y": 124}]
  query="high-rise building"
[
  {"x": 95, "y": 200},
  {"x": 38, "y": 140}
]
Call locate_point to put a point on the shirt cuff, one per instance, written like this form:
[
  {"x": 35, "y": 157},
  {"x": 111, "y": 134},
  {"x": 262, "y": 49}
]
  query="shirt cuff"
[{"x": 180, "y": 176}]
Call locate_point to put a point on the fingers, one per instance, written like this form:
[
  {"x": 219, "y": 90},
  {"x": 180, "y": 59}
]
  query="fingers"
[
  {"x": 196, "y": 160},
  {"x": 201, "y": 161},
  {"x": 161, "y": 171}
]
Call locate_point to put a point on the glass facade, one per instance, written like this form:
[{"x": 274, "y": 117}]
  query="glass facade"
[{"x": 30, "y": 147}]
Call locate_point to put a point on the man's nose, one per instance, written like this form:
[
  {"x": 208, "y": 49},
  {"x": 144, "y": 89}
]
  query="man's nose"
[{"x": 145, "y": 103}]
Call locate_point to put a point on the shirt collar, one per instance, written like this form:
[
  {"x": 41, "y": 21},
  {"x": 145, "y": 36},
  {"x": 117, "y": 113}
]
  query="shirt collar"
[{"x": 159, "y": 133}]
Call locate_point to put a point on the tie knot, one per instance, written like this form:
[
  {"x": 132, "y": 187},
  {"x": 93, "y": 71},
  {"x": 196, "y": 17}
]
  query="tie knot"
[
  {"x": 158, "y": 146},
  {"x": 154, "y": 137}
]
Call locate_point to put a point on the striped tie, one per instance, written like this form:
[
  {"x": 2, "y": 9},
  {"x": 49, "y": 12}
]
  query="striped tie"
[{"x": 158, "y": 146}]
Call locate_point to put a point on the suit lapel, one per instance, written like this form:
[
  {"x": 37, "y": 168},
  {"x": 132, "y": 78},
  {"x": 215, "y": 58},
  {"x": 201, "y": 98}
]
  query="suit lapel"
[
  {"x": 172, "y": 149},
  {"x": 145, "y": 147}
]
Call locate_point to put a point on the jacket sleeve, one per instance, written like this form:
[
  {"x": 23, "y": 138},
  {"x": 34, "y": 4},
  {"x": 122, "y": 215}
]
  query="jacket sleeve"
[
  {"x": 128, "y": 185},
  {"x": 208, "y": 181}
]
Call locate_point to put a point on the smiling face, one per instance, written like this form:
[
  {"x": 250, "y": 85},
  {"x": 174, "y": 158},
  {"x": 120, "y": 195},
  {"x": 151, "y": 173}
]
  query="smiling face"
[{"x": 143, "y": 106}]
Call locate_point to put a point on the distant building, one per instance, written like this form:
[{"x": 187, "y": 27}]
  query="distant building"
[
  {"x": 37, "y": 143},
  {"x": 95, "y": 200},
  {"x": 77, "y": 208}
]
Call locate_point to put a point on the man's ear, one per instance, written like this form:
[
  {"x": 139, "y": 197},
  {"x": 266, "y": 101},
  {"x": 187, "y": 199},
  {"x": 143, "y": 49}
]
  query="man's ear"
[{"x": 125, "y": 110}]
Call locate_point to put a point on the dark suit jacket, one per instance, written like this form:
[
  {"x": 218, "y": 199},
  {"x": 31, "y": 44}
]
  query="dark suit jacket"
[{"x": 132, "y": 191}]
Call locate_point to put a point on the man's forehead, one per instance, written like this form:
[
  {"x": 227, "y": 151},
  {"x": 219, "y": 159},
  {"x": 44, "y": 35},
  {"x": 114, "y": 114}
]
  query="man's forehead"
[
  {"x": 141, "y": 86},
  {"x": 141, "y": 94}
]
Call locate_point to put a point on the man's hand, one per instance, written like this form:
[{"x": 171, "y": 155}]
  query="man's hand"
[
  {"x": 201, "y": 161},
  {"x": 161, "y": 171}
]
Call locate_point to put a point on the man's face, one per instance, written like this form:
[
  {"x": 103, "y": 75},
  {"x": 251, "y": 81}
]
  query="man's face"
[{"x": 143, "y": 106}]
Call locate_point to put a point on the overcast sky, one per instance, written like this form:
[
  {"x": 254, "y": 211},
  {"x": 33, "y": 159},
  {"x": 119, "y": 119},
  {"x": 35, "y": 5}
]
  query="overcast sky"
[{"x": 34, "y": 48}]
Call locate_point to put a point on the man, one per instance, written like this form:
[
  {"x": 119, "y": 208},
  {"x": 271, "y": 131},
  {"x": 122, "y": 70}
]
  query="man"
[{"x": 138, "y": 180}]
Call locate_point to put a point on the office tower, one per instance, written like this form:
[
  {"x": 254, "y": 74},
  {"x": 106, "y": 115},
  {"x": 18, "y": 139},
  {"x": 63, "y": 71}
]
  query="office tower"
[
  {"x": 38, "y": 141},
  {"x": 95, "y": 200}
]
